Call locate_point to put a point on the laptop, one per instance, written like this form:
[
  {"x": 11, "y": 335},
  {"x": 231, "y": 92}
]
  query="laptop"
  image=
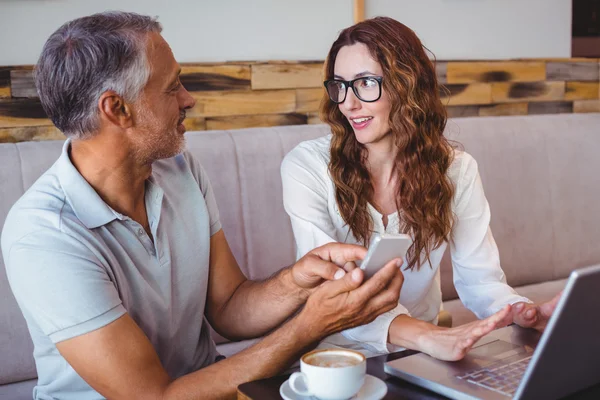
[{"x": 518, "y": 363}]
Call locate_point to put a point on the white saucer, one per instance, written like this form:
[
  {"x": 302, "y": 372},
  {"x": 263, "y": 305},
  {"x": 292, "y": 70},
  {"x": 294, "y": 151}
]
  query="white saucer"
[{"x": 373, "y": 389}]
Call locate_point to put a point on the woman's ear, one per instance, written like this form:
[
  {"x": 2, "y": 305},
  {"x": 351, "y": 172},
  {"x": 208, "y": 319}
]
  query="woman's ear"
[{"x": 114, "y": 110}]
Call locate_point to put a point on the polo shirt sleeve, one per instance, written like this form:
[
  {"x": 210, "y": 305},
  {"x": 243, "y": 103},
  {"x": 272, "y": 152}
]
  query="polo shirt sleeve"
[
  {"x": 61, "y": 286},
  {"x": 206, "y": 188}
]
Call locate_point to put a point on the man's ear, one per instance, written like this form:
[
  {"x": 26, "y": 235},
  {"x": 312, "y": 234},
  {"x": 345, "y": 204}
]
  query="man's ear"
[{"x": 114, "y": 110}]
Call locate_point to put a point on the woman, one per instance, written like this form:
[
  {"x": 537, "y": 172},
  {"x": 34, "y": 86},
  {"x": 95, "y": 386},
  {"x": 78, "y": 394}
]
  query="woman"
[{"x": 388, "y": 168}]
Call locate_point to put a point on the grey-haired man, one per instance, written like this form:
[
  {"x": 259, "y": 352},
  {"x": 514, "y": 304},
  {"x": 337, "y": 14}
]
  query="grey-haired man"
[{"x": 116, "y": 255}]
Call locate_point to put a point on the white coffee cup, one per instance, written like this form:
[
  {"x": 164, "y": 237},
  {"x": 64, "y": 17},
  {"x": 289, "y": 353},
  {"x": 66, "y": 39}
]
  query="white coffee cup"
[{"x": 330, "y": 374}]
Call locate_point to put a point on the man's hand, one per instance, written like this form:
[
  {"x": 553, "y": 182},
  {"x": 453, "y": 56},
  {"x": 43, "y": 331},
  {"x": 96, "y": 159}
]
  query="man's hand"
[
  {"x": 345, "y": 303},
  {"x": 534, "y": 316},
  {"x": 328, "y": 262}
]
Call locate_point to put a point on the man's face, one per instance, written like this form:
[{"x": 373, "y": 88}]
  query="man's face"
[{"x": 159, "y": 112}]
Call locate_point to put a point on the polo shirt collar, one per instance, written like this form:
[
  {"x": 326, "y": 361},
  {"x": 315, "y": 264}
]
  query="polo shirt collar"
[{"x": 88, "y": 206}]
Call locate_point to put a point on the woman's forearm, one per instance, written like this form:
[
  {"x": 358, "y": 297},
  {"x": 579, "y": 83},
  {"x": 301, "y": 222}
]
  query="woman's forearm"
[{"x": 409, "y": 332}]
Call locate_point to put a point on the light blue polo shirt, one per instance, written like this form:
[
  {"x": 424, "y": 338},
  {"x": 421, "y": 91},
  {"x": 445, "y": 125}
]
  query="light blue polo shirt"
[{"x": 75, "y": 265}]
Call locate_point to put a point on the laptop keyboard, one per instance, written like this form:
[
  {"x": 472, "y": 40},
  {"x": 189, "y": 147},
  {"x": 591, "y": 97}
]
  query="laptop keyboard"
[{"x": 503, "y": 379}]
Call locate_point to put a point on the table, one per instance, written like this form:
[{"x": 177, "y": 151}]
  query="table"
[{"x": 268, "y": 389}]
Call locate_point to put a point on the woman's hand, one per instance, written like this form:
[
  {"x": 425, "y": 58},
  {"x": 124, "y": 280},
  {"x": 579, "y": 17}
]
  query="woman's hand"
[
  {"x": 534, "y": 316},
  {"x": 448, "y": 344}
]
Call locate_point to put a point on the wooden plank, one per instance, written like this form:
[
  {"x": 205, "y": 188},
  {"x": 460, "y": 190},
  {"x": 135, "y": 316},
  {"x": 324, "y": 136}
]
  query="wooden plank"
[
  {"x": 441, "y": 71},
  {"x": 503, "y": 109},
  {"x": 195, "y": 124},
  {"x": 359, "y": 11},
  {"x": 462, "y": 111},
  {"x": 22, "y": 112},
  {"x": 313, "y": 119},
  {"x": 582, "y": 90},
  {"x": 218, "y": 104},
  {"x": 308, "y": 100},
  {"x": 586, "y": 106},
  {"x": 572, "y": 71},
  {"x": 551, "y": 107},
  {"x": 504, "y": 92},
  {"x": 287, "y": 76},
  {"x": 504, "y": 71},
  {"x": 4, "y": 82},
  {"x": 27, "y": 133},
  {"x": 569, "y": 59},
  {"x": 22, "y": 84},
  {"x": 215, "y": 77},
  {"x": 253, "y": 121},
  {"x": 475, "y": 93}
]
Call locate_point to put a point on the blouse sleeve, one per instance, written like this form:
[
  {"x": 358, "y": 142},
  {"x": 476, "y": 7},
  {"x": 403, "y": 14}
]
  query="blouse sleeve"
[{"x": 478, "y": 276}]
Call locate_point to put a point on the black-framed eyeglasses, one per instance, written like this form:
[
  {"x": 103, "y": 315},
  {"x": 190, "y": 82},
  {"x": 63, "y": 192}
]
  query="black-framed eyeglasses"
[{"x": 366, "y": 88}]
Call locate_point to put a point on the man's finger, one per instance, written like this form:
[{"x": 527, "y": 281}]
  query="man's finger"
[
  {"x": 379, "y": 281},
  {"x": 390, "y": 295},
  {"x": 340, "y": 253},
  {"x": 347, "y": 283},
  {"x": 349, "y": 266}
]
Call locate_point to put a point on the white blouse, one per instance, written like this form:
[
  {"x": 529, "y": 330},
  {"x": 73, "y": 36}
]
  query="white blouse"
[{"x": 309, "y": 200}]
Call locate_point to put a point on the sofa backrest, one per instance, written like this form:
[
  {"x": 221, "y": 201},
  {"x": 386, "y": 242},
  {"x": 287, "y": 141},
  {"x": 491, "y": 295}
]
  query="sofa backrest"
[{"x": 540, "y": 174}]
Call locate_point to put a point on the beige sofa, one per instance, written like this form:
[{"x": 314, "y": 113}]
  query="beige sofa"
[{"x": 540, "y": 173}]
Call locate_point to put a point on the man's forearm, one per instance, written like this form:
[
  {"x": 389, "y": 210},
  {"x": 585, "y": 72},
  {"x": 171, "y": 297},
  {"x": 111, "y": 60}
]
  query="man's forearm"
[
  {"x": 265, "y": 359},
  {"x": 257, "y": 307}
]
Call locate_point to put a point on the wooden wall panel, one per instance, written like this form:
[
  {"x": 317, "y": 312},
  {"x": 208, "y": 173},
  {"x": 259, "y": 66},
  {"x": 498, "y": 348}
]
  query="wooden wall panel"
[
  {"x": 503, "y": 109},
  {"x": 551, "y": 107},
  {"x": 586, "y": 106},
  {"x": 252, "y": 121},
  {"x": 287, "y": 76},
  {"x": 510, "y": 71},
  {"x": 4, "y": 82},
  {"x": 215, "y": 77},
  {"x": 22, "y": 84},
  {"x": 308, "y": 100},
  {"x": 22, "y": 112},
  {"x": 581, "y": 90},
  {"x": 27, "y": 133},
  {"x": 572, "y": 71},
  {"x": 249, "y": 93},
  {"x": 504, "y": 92},
  {"x": 218, "y": 104},
  {"x": 462, "y": 111},
  {"x": 441, "y": 71},
  {"x": 475, "y": 93},
  {"x": 313, "y": 118}
]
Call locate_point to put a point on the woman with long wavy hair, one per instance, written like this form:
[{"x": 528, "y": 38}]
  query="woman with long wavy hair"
[{"x": 387, "y": 168}]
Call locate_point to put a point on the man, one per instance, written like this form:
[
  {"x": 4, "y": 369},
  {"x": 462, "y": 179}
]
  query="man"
[{"x": 116, "y": 255}]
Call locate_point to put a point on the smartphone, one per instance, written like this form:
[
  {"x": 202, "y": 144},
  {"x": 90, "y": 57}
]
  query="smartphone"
[{"x": 383, "y": 249}]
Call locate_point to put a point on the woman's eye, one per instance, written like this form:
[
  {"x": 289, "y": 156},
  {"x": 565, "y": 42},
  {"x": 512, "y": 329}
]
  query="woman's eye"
[{"x": 368, "y": 83}]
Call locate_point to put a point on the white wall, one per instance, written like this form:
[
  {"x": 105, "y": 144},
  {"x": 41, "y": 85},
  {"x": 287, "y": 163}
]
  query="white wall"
[
  {"x": 484, "y": 29},
  {"x": 197, "y": 30},
  {"x": 226, "y": 30}
]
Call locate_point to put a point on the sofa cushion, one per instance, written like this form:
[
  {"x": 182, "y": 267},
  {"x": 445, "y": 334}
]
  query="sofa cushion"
[
  {"x": 18, "y": 391},
  {"x": 537, "y": 292}
]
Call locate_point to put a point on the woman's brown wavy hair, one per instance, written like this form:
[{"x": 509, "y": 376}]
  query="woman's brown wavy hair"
[{"x": 417, "y": 121}]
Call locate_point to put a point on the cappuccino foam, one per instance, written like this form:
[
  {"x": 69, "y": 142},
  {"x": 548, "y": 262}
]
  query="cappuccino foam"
[{"x": 332, "y": 360}]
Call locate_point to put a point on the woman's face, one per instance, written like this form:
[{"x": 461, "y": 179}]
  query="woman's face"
[{"x": 370, "y": 121}]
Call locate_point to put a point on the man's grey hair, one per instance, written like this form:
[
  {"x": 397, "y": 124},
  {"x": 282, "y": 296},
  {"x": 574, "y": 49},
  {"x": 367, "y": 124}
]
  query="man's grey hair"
[{"x": 85, "y": 58}]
